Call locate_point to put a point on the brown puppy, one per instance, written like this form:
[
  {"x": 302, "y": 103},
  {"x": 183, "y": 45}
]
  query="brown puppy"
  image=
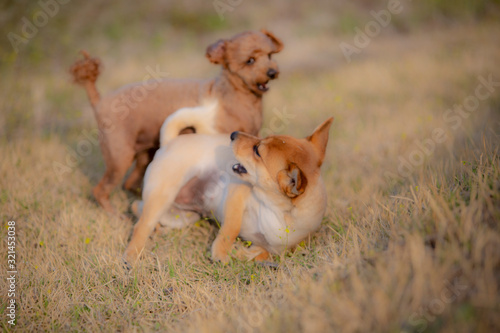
[{"x": 130, "y": 126}]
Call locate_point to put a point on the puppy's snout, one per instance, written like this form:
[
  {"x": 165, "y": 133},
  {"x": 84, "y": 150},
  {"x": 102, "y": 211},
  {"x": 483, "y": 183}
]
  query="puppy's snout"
[
  {"x": 234, "y": 135},
  {"x": 272, "y": 73}
]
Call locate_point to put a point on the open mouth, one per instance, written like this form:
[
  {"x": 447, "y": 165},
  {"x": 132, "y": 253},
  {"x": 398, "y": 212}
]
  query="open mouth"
[
  {"x": 263, "y": 86},
  {"x": 239, "y": 169}
]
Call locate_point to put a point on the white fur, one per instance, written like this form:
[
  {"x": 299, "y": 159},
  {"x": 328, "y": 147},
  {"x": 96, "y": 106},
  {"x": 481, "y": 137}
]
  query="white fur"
[{"x": 202, "y": 118}]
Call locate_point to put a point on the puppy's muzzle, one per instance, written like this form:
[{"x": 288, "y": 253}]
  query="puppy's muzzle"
[
  {"x": 234, "y": 135},
  {"x": 237, "y": 168}
]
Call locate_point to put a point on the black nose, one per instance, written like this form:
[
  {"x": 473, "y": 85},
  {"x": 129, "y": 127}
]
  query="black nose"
[
  {"x": 272, "y": 73},
  {"x": 234, "y": 135}
]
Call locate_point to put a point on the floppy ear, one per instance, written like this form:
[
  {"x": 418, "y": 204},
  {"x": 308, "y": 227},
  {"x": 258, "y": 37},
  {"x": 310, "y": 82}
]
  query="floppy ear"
[
  {"x": 278, "y": 45},
  {"x": 319, "y": 138},
  {"x": 292, "y": 181},
  {"x": 216, "y": 52}
]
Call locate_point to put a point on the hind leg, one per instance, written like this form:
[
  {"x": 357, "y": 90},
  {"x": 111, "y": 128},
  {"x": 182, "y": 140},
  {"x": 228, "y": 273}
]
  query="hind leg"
[
  {"x": 172, "y": 218},
  {"x": 159, "y": 194},
  {"x": 254, "y": 252},
  {"x": 177, "y": 218},
  {"x": 134, "y": 180},
  {"x": 151, "y": 210},
  {"x": 116, "y": 167}
]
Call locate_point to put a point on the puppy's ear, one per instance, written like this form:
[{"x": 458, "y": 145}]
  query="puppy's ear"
[
  {"x": 216, "y": 52},
  {"x": 319, "y": 138},
  {"x": 292, "y": 181},
  {"x": 278, "y": 45}
]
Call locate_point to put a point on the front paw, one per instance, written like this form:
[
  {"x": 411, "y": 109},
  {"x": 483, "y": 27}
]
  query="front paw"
[
  {"x": 220, "y": 252},
  {"x": 130, "y": 257}
]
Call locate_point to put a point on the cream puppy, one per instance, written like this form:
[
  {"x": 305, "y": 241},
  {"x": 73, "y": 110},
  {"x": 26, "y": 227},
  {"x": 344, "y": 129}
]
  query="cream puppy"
[{"x": 268, "y": 191}]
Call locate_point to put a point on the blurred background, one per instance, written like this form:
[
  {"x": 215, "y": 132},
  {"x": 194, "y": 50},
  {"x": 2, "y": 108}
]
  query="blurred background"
[
  {"x": 38, "y": 98},
  {"x": 407, "y": 210}
]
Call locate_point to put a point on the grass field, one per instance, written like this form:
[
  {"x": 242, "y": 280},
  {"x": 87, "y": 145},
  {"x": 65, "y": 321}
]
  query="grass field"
[{"x": 411, "y": 238}]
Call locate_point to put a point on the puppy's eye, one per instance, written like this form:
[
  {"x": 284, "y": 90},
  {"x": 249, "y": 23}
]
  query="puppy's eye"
[
  {"x": 269, "y": 56},
  {"x": 250, "y": 61},
  {"x": 256, "y": 150}
]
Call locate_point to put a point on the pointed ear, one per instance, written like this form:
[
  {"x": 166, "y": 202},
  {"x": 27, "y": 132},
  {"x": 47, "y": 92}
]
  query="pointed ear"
[
  {"x": 292, "y": 181},
  {"x": 278, "y": 45},
  {"x": 319, "y": 138},
  {"x": 216, "y": 52}
]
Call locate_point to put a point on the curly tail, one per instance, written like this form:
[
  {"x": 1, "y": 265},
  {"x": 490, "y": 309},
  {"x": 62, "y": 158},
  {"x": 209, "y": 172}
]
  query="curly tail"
[
  {"x": 85, "y": 72},
  {"x": 199, "y": 118}
]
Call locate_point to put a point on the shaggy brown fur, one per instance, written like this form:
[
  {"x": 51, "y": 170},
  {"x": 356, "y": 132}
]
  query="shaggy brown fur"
[{"x": 130, "y": 118}]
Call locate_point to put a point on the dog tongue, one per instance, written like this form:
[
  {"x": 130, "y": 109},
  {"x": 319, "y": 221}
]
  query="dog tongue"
[
  {"x": 239, "y": 169},
  {"x": 262, "y": 86}
]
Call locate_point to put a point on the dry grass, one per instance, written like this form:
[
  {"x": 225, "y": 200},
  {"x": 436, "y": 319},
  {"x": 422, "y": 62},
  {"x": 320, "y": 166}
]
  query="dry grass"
[{"x": 395, "y": 253}]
